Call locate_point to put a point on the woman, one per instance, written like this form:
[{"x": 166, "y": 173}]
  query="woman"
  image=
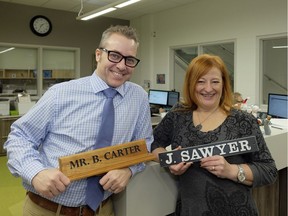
[
  {"x": 237, "y": 100},
  {"x": 215, "y": 185}
]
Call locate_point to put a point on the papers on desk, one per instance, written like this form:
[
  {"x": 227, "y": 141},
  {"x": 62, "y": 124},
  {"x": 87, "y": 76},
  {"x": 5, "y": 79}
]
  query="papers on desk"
[
  {"x": 155, "y": 120},
  {"x": 279, "y": 123},
  {"x": 23, "y": 103}
]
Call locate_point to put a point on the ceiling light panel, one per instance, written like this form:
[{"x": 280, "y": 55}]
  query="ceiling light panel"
[
  {"x": 108, "y": 10},
  {"x": 124, "y": 4}
]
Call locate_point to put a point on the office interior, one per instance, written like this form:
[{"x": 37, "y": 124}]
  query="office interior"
[{"x": 240, "y": 27}]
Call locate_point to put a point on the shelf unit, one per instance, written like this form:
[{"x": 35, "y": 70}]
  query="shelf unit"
[{"x": 17, "y": 74}]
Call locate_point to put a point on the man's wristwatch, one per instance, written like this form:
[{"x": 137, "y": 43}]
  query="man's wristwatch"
[{"x": 241, "y": 174}]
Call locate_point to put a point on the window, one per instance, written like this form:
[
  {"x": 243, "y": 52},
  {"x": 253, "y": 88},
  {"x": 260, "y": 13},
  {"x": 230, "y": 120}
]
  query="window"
[
  {"x": 184, "y": 55},
  {"x": 36, "y": 68},
  {"x": 273, "y": 66}
]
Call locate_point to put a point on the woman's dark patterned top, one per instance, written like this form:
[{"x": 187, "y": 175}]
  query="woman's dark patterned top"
[{"x": 202, "y": 193}]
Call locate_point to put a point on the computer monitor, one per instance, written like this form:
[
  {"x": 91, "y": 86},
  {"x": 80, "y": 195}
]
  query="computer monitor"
[
  {"x": 158, "y": 97},
  {"x": 277, "y": 105},
  {"x": 173, "y": 98}
]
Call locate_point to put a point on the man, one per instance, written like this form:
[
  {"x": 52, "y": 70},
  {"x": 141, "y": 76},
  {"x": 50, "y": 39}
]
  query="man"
[{"x": 66, "y": 120}]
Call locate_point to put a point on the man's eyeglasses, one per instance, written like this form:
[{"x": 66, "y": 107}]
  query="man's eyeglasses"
[{"x": 116, "y": 57}]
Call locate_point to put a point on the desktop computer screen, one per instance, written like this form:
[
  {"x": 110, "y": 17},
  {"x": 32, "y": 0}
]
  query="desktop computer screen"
[
  {"x": 158, "y": 97},
  {"x": 173, "y": 98},
  {"x": 277, "y": 105}
]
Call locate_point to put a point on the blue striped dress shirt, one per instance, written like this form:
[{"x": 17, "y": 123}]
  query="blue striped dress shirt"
[{"x": 66, "y": 121}]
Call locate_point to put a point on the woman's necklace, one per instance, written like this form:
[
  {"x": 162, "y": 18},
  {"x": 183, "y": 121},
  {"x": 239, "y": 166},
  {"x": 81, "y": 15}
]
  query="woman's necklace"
[{"x": 199, "y": 126}]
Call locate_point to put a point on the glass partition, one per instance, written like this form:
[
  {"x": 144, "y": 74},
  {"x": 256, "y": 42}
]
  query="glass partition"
[
  {"x": 273, "y": 61},
  {"x": 20, "y": 67},
  {"x": 58, "y": 66},
  {"x": 184, "y": 55}
]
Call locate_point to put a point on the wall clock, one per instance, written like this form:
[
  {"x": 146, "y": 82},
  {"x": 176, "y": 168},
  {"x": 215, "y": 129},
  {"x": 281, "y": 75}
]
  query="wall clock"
[{"x": 41, "y": 25}]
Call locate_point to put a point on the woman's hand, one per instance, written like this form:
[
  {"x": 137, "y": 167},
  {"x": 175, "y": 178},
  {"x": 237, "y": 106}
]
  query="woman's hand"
[
  {"x": 179, "y": 169},
  {"x": 176, "y": 169},
  {"x": 218, "y": 166}
]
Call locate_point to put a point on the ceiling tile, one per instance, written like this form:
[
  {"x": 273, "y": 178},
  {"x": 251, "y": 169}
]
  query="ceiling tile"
[{"x": 132, "y": 11}]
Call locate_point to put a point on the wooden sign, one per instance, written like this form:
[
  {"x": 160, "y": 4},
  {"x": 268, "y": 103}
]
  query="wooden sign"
[
  {"x": 102, "y": 160},
  {"x": 195, "y": 153}
]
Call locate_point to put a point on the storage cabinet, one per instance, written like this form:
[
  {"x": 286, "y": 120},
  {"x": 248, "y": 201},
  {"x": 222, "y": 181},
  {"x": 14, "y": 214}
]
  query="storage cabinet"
[
  {"x": 5, "y": 124},
  {"x": 36, "y": 68}
]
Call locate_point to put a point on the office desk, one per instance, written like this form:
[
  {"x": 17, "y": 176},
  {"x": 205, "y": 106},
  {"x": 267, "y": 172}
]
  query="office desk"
[
  {"x": 272, "y": 199},
  {"x": 153, "y": 192},
  {"x": 155, "y": 120},
  {"x": 277, "y": 144}
]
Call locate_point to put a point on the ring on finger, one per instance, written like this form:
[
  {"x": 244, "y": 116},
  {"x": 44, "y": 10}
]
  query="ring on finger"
[{"x": 213, "y": 168}]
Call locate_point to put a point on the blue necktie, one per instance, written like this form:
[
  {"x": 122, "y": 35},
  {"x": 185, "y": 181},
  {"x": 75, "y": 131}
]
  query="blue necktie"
[{"x": 94, "y": 191}]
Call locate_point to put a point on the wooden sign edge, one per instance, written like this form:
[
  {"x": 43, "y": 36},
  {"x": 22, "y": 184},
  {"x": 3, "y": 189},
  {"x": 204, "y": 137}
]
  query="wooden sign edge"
[
  {"x": 142, "y": 141},
  {"x": 132, "y": 160}
]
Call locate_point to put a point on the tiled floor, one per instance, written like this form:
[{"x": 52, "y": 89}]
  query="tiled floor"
[{"x": 12, "y": 193}]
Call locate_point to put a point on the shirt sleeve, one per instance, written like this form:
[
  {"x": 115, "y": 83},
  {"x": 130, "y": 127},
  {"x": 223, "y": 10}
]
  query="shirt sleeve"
[
  {"x": 263, "y": 165},
  {"x": 25, "y": 138},
  {"x": 164, "y": 131},
  {"x": 143, "y": 130}
]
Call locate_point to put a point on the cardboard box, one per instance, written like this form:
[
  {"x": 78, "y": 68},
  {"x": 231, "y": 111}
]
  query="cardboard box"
[
  {"x": 17, "y": 73},
  {"x": 23, "y": 98},
  {"x": 64, "y": 74},
  {"x": 4, "y": 107},
  {"x": 47, "y": 73},
  {"x": 24, "y": 107}
]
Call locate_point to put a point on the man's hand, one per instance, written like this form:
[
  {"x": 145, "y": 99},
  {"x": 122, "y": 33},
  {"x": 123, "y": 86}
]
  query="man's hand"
[
  {"x": 115, "y": 181},
  {"x": 50, "y": 182}
]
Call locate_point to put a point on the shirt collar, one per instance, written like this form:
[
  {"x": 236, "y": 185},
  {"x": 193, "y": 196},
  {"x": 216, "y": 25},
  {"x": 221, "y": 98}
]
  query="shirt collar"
[{"x": 99, "y": 85}]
